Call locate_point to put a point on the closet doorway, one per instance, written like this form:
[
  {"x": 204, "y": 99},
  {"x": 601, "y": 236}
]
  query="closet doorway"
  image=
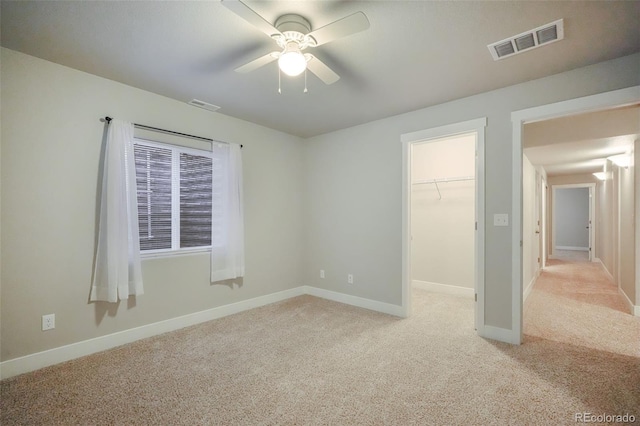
[{"x": 444, "y": 213}]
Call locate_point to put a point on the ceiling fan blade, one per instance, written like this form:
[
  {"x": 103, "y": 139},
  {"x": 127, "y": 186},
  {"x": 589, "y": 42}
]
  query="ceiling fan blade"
[
  {"x": 341, "y": 28},
  {"x": 257, "y": 63},
  {"x": 249, "y": 15},
  {"x": 324, "y": 73}
]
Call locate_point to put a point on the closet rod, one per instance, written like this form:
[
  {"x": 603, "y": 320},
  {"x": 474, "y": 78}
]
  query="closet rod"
[
  {"x": 441, "y": 180},
  {"x": 171, "y": 132}
]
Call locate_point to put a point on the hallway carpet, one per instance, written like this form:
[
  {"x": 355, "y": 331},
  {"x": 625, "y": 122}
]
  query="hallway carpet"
[{"x": 309, "y": 361}]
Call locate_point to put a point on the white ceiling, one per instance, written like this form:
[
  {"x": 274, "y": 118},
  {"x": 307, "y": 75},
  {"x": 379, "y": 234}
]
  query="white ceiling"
[
  {"x": 415, "y": 54},
  {"x": 581, "y": 143}
]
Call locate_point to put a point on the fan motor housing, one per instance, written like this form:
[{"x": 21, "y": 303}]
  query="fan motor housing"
[{"x": 293, "y": 23}]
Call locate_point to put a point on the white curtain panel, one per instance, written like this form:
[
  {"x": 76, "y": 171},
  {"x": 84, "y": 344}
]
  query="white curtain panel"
[
  {"x": 117, "y": 272},
  {"x": 227, "y": 227}
]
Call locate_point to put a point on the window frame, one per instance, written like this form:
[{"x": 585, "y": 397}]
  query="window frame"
[{"x": 175, "y": 249}]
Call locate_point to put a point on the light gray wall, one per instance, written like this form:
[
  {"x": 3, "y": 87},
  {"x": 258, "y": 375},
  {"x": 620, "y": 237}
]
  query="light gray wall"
[
  {"x": 332, "y": 202},
  {"x": 572, "y": 217},
  {"x": 354, "y": 186},
  {"x": 51, "y": 142}
]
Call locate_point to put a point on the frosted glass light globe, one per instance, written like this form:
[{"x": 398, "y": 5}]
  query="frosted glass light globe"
[{"x": 292, "y": 62}]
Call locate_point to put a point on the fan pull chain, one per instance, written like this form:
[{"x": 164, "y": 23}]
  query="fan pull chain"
[
  {"x": 305, "y": 81},
  {"x": 279, "y": 86}
]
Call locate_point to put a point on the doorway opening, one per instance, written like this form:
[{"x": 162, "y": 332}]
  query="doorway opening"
[
  {"x": 572, "y": 222},
  {"x": 443, "y": 213},
  {"x": 590, "y": 104}
]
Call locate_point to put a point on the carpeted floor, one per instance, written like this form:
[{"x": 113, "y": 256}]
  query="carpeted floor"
[{"x": 311, "y": 361}]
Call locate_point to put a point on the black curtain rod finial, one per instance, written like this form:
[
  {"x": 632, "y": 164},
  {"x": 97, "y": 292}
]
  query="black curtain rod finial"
[{"x": 108, "y": 119}]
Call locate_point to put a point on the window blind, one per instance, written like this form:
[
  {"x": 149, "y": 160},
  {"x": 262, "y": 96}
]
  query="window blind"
[
  {"x": 153, "y": 180},
  {"x": 195, "y": 200}
]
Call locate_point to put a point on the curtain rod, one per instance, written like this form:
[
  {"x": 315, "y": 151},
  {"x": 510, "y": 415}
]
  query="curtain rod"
[{"x": 156, "y": 129}]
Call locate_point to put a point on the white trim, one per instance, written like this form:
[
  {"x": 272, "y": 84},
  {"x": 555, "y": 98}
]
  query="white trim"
[
  {"x": 444, "y": 131},
  {"x": 633, "y": 310},
  {"x": 571, "y": 248},
  {"x": 601, "y": 101},
  {"x": 517, "y": 293},
  {"x": 500, "y": 334},
  {"x": 444, "y": 288},
  {"x": 360, "y": 302},
  {"x": 38, "y": 360},
  {"x": 604, "y": 268},
  {"x": 31, "y": 362},
  {"x": 527, "y": 290},
  {"x": 478, "y": 126}
]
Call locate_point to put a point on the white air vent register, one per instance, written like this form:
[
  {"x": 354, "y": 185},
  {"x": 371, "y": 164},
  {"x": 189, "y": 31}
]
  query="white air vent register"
[
  {"x": 537, "y": 37},
  {"x": 205, "y": 105}
]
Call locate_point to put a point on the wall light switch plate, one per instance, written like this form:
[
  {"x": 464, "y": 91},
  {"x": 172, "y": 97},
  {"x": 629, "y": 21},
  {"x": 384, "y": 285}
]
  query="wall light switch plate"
[{"x": 501, "y": 219}]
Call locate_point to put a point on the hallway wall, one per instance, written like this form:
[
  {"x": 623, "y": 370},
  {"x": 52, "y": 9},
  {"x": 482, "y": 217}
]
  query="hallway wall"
[
  {"x": 606, "y": 229},
  {"x": 626, "y": 221}
]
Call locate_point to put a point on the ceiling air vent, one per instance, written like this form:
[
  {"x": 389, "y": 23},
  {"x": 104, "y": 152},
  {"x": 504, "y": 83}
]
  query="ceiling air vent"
[
  {"x": 537, "y": 37},
  {"x": 201, "y": 104}
]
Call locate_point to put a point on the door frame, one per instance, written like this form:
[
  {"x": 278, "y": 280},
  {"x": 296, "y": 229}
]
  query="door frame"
[
  {"x": 600, "y": 101},
  {"x": 544, "y": 203},
  {"x": 592, "y": 215},
  {"x": 476, "y": 126}
]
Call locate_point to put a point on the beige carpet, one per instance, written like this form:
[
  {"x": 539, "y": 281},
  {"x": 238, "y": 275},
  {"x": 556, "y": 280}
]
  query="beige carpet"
[{"x": 311, "y": 361}]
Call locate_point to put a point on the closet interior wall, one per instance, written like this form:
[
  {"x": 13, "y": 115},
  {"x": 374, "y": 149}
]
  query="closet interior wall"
[{"x": 443, "y": 212}]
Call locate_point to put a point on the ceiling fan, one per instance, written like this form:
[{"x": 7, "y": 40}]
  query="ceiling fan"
[{"x": 292, "y": 33}]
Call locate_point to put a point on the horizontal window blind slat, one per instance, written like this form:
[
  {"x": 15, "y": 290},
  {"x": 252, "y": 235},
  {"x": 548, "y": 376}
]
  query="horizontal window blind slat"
[{"x": 195, "y": 200}]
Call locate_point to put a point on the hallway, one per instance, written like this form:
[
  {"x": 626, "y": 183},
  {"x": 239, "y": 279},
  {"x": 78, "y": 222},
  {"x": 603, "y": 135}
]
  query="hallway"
[{"x": 575, "y": 302}]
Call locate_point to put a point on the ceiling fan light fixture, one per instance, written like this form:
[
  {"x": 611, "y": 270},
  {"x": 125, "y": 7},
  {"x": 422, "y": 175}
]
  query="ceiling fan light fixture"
[{"x": 292, "y": 62}]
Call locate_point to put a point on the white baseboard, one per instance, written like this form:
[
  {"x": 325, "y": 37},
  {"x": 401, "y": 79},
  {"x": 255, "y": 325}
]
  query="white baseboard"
[
  {"x": 571, "y": 248},
  {"x": 500, "y": 334},
  {"x": 38, "y": 360},
  {"x": 529, "y": 287},
  {"x": 444, "y": 288},
  {"x": 633, "y": 309},
  {"x": 604, "y": 268},
  {"x": 32, "y": 362},
  {"x": 360, "y": 302}
]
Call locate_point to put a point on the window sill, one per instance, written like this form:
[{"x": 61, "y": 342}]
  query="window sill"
[{"x": 174, "y": 253}]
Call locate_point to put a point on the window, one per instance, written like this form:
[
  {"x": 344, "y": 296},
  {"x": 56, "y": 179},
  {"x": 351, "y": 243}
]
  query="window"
[{"x": 174, "y": 187}]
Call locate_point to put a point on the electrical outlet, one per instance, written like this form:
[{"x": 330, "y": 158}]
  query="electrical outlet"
[
  {"x": 321, "y": 273},
  {"x": 350, "y": 279},
  {"x": 48, "y": 322}
]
